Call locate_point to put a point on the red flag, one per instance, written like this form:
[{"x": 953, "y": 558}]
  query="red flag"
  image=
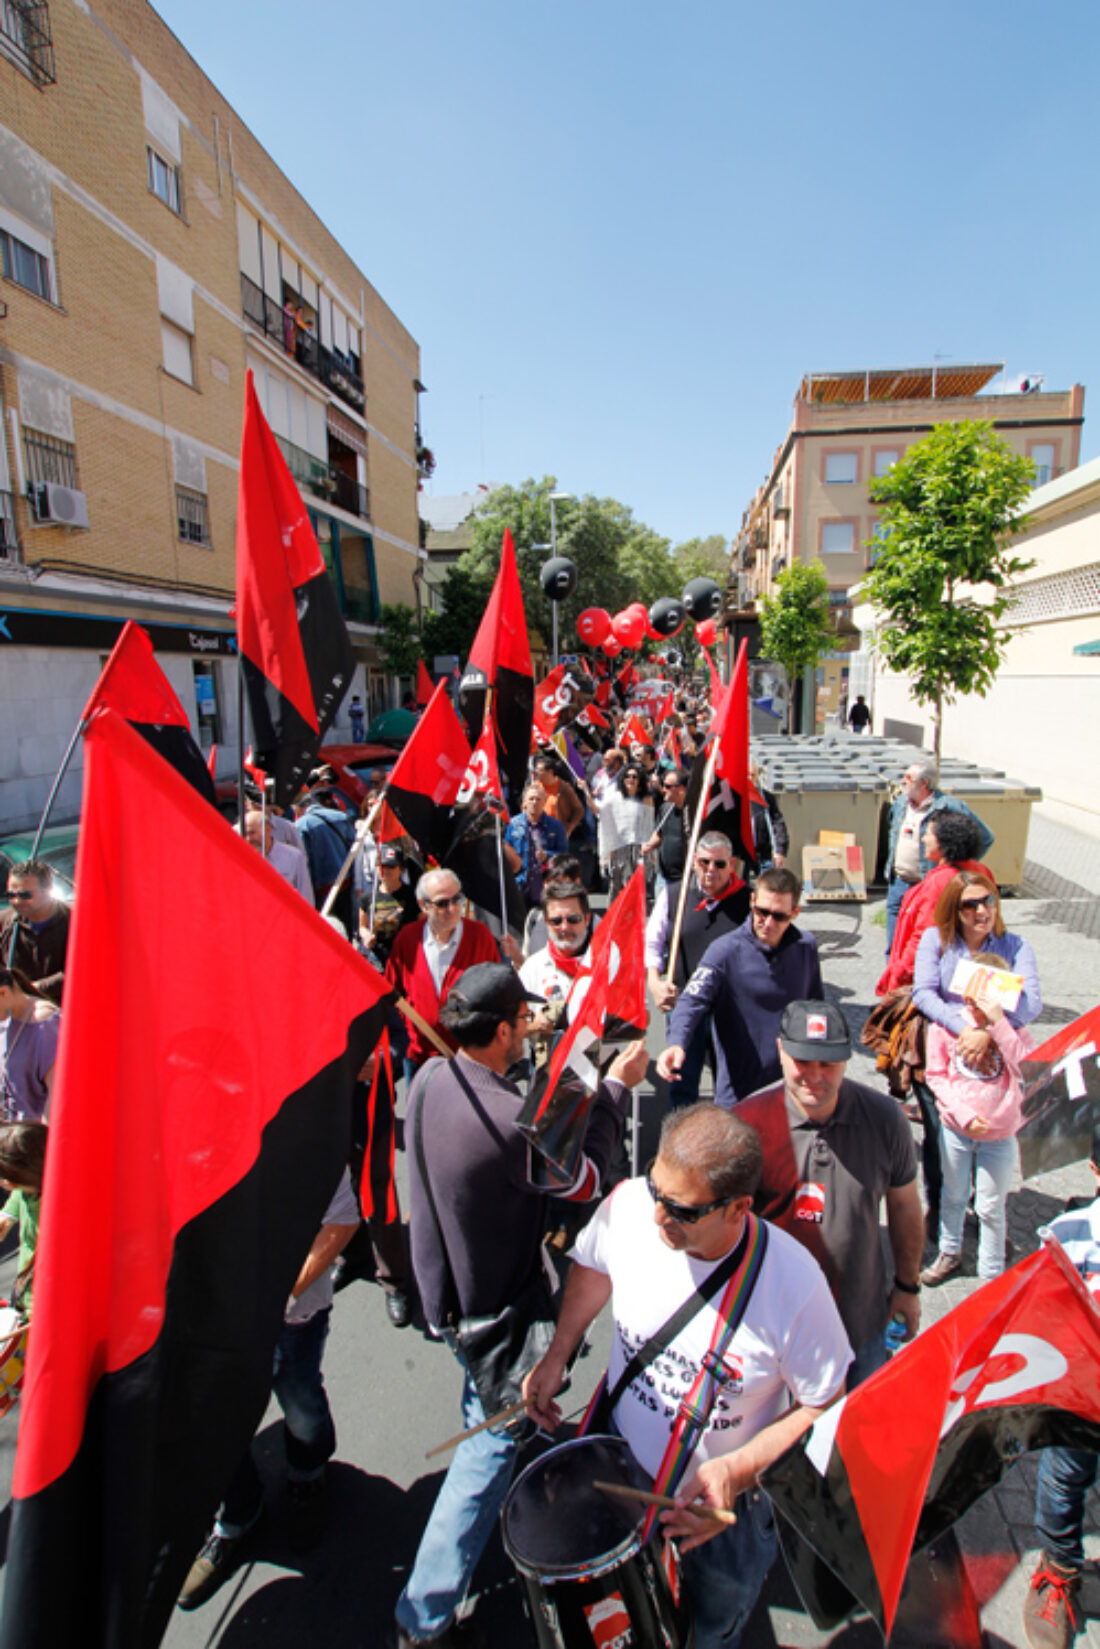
[
  {"x": 500, "y": 659},
  {"x": 717, "y": 691},
  {"x": 632, "y": 735},
  {"x": 627, "y": 678},
  {"x": 1062, "y": 1103},
  {"x": 556, "y": 698},
  {"x": 133, "y": 684},
  {"x": 428, "y": 775},
  {"x": 730, "y": 731},
  {"x": 603, "y": 694},
  {"x": 1015, "y": 1367},
  {"x": 665, "y": 709},
  {"x": 196, "y": 1139},
  {"x": 482, "y": 776},
  {"x": 294, "y": 646},
  {"x": 424, "y": 688},
  {"x": 591, "y": 717}
]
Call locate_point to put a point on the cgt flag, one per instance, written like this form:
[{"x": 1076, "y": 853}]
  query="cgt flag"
[
  {"x": 195, "y": 1141},
  {"x": 295, "y": 653},
  {"x": 500, "y": 663},
  {"x": 889, "y": 1468},
  {"x": 133, "y": 684},
  {"x": 1062, "y": 1098},
  {"x": 428, "y": 776}
]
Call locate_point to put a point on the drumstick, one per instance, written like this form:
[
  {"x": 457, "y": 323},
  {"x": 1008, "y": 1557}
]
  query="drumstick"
[
  {"x": 714, "y": 1513},
  {"x": 494, "y": 1420}
]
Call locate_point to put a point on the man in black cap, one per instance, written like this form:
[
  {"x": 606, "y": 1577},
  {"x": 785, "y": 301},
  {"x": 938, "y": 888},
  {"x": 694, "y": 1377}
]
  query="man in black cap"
[
  {"x": 477, "y": 1225},
  {"x": 834, "y": 1151},
  {"x": 386, "y": 906}
]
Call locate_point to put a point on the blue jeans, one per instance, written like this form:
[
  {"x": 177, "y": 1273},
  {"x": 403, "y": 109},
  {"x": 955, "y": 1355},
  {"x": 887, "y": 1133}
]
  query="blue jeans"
[
  {"x": 1065, "y": 1478},
  {"x": 994, "y": 1160},
  {"x": 869, "y": 1358},
  {"x": 723, "y": 1579},
  {"x": 465, "y": 1511},
  {"x": 309, "y": 1433},
  {"x": 896, "y": 889}
]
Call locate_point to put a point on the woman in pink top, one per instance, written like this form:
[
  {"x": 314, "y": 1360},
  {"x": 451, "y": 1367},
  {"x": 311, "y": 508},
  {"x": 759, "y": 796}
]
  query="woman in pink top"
[{"x": 980, "y": 1109}]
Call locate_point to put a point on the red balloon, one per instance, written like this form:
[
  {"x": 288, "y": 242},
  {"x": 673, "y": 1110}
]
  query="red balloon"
[
  {"x": 635, "y": 607},
  {"x": 629, "y": 628},
  {"x": 706, "y": 632},
  {"x": 611, "y": 646},
  {"x": 654, "y": 635},
  {"x": 593, "y": 625}
]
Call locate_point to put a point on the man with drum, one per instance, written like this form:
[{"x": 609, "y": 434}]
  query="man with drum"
[
  {"x": 742, "y": 1377},
  {"x": 477, "y": 1224}
]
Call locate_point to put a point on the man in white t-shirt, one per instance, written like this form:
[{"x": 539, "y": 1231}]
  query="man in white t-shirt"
[{"x": 650, "y": 1246}]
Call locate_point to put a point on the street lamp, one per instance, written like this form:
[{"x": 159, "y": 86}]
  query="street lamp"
[{"x": 556, "y": 498}]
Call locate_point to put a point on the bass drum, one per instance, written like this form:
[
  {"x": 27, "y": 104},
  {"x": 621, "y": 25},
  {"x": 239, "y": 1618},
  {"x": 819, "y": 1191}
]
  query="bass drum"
[{"x": 587, "y": 1577}]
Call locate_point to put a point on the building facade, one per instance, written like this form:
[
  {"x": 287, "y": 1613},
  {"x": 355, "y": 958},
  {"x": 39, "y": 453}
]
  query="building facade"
[
  {"x": 849, "y": 427},
  {"x": 152, "y": 252}
]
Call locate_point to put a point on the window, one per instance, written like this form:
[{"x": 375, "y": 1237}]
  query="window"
[
  {"x": 841, "y": 468},
  {"x": 23, "y": 265},
  {"x": 164, "y": 179},
  {"x": 176, "y": 344},
  {"x": 1041, "y": 454},
  {"x": 838, "y": 537},
  {"x": 49, "y": 459},
  {"x": 880, "y": 532},
  {"x": 884, "y": 459},
  {"x": 191, "y": 513}
]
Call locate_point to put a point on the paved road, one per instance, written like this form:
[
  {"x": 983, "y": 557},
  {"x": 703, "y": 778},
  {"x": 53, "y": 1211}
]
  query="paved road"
[{"x": 395, "y": 1394}]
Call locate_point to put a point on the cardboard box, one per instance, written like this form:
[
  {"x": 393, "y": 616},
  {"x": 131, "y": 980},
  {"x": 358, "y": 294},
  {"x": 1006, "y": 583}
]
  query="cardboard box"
[
  {"x": 836, "y": 838},
  {"x": 833, "y": 873}
]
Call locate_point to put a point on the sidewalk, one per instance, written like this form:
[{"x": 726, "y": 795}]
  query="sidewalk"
[{"x": 1058, "y": 910}]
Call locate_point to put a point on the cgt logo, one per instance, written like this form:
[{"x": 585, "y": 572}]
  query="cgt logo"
[
  {"x": 809, "y": 1203},
  {"x": 609, "y": 1623}
]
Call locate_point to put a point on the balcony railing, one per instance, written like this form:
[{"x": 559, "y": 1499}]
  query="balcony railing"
[
  {"x": 334, "y": 371},
  {"x": 9, "y": 543},
  {"x": 320, "y": 479},
  {"x": 25, "y": 37}
]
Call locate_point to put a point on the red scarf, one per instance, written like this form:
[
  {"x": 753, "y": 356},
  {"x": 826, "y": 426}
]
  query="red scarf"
[
  {"x": 734, "y": 885},
  {"x": 571, "y": 966}
]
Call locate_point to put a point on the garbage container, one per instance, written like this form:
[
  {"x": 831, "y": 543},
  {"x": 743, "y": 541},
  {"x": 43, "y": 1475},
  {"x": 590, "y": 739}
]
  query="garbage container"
[{"x": 1005, "y": 806}]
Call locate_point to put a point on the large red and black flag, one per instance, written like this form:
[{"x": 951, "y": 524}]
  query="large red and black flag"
[
  {"x": 294, "y": 646},
  {"x": 727, "y": 805},
  {"x": 500, "y": 662},
  {"x": 196, "y": 1138},
  {"x": 133, "y": 683},
  {"x": 1062, "y": 1098},
  {"x": 889, "y": 1468},
  {"x": 427, "y": 776}
]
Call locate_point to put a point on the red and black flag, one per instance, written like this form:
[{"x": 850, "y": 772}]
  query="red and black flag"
[
  {"x": 294, "y": 646},
  {"x": 1062, "y": 1098},
  {"x": 559, "y": 698},
  {"x": 424, "y": 687},
  {"x": 889, "y": 1468},
  {"x": 633, "y": 735},
  {"x": 728, "y": 802},
  {"x": 428, "y": 774},
  {"x": 133, "y": 684},
  {"x": 500, "y": 662},
  {"x": 476, "y": 854},
  {"x": 196, "y": 1139},
  {"x": 378, "y": 1185}
]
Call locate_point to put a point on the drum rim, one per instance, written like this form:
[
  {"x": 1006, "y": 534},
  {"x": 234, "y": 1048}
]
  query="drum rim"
[{"x": 595, "y": 1568}]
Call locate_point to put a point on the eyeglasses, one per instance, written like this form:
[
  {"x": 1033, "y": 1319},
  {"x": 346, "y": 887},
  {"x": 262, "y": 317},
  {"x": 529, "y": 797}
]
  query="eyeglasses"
[
  {"x": 684, "y": 1213},
  {"x": 767, "y": 914},
  {"x": 14, "y": 896},
  {"x": 988, "y": 902},
  {"x": 710, "y": 864},
  {"x": 523, "y": 1017},
  {"x": 564, "y": 921},
  {"x": 675, "y": 785},
  {"x": 444, "y": 904}
]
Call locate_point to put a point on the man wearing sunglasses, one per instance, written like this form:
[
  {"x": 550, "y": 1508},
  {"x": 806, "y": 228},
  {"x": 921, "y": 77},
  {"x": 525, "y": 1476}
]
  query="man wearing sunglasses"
[
  {"x": 551, "y": 971},
  {"x": 40, "y": 925},
  {"x": 649, "y": 1249},
  {"x": 742, "y": 985},
  {"x": 836, "y": 1153},
  {"x": 428, "y": 956},
  {"x": 717, "y": 902}
]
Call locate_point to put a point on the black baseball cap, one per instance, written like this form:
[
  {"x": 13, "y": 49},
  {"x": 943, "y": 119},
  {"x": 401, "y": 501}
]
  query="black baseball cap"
[
  {"x": 389, "y": 856},
  {"x": 815, "y": 1030},
  {"x": 490, "y": 987}
]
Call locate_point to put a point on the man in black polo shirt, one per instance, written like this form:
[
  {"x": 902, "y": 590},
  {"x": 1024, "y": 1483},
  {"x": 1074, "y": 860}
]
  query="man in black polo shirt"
[
  {"x": 717, "y": 903},
  {"x": 834, "y": 1152}
]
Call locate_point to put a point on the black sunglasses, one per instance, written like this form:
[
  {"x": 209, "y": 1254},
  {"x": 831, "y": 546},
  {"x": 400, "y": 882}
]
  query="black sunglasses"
[
  {"x": 564, "y": 921},
  {"x": 14, "y": 896},
  {"x": 989, "y": 902},
  {"x": 684, "y": 1213},
  {"x": 764, "y": 911},
  {"x": 444, "y": 904},
  {"x": 710, "y": 864}
]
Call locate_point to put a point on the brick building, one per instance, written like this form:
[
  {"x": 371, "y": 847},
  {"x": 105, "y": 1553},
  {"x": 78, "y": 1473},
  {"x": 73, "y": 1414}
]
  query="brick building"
[{"x": 151, "y": 251}]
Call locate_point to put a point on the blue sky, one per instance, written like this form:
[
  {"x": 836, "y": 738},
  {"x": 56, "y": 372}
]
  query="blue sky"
[{"x": 621, "y": 232}]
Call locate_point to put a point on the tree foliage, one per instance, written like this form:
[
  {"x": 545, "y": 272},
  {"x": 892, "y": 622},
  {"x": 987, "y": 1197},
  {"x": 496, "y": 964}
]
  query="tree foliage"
[
  {"x": 944, "y": 560},
  {"x": 795, "y": 627},
  {"x": 399, "y": 640},
  {"x": 465, "y": 596}
]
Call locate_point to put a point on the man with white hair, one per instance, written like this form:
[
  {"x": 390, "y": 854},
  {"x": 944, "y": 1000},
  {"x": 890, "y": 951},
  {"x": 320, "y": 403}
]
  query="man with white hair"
[
  {"x": 906, "y": 859},
  {"x": 428, "y": 956},
  {"x": 290, "y": 862}
]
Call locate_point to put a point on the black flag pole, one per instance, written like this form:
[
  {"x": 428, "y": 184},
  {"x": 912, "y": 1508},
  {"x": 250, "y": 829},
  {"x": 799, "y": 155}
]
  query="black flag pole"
[{"x": 45, "y": 816}]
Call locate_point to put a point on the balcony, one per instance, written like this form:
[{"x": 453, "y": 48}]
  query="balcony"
[
  {"x": 319, "y": 478},
  {"x": 25, "y": 38},
  {"x": 334, "y": 371}
]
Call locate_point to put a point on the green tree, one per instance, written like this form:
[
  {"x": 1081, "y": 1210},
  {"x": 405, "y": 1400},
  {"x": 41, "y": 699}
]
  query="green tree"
[
  {"x": 399, "y": 640},
  {"x": 795, "y": 627},
  {"x": 944, "y": 560},
  {"x": 465, "y": 595},
  {"x": 701, "y": 558}
]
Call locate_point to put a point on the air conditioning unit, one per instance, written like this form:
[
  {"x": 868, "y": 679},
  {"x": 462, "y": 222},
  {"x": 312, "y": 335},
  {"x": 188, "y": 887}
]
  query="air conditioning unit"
[{"x": 65, "y": 505}]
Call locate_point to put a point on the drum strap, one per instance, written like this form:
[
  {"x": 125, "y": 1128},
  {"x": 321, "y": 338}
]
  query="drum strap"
[{"x": 694, "y": 1412}]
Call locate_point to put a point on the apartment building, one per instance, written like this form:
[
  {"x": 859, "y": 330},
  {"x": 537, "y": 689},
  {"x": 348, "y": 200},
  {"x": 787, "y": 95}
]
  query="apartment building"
[
  {"x": 849, "y": 427},
  {"x": 150, "y": 252}
]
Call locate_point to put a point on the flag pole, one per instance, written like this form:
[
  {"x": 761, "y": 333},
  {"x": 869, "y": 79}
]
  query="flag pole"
[
  {"x": 504, "y": 928},
  {"x": 44, "y": 818},
  {"x": 696, "y": 832}
]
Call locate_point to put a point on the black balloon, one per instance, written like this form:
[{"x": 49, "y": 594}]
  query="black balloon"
[
  {"x": 703, "y": 598},
  {"x": 558, "y": 578},
  {"x": 672, "y": 658},
  {"x": 667, "y": 616}
]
